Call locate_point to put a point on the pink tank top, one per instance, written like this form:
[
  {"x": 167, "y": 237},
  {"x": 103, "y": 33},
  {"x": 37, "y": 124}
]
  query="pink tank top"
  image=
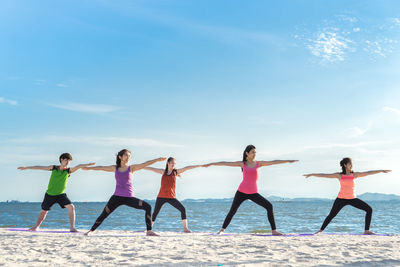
[
  {"x": 250, "y": 177},
  {"x": 347, "y": 187},
  {"x": 124, "y": 183}
]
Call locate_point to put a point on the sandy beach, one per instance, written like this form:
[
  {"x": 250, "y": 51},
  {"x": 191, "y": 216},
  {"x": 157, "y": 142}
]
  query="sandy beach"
[{"x": 195, "y": 249}]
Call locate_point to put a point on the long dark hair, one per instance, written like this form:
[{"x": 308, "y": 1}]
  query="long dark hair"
[
  {"x": 343, "y": 162},
  {"x": 247, "y": 150},
  {"x": 166, "y": 166},
  {"x": 120, "y": 154}
]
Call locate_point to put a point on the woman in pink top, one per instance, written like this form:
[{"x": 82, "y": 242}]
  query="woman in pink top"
[
  {"x": 248, "y": 188},
  {"x": 346, "y": 194}
]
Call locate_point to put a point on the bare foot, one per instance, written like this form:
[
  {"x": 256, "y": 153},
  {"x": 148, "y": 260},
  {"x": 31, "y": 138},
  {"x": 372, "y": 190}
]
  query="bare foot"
[
  {"x": 33, "y": 228},
  {"x": 274, "y": 232},
  {"x": 368, "y": 232},
  {"x": 88, "y": 233},
  {"x": 316, "y": 233},
  {"x": 151, "y": 233},
  {"x": 221, "y": 231},
  {"x": 186, "y": 230},
  {"x": 73, "y": 230}
]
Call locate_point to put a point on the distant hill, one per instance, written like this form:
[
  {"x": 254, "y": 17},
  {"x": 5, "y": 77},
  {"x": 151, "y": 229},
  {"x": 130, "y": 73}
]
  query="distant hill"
[
  {"x": 378, "y": 197},
  {"x": 365, "y": 196}
]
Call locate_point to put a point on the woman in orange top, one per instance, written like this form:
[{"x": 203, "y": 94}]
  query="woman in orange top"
[
  {"x": 167, "y": 190},
  {"x": 346, "y": 195}
]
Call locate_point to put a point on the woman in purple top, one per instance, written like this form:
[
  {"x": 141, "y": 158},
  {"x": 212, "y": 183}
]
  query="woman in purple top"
[{"x": 123, "y": 194}]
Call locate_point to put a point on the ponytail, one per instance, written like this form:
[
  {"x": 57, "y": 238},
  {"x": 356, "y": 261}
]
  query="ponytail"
[
  {"x": 120, "y": 154},
  {"x": 344, "y": 162},
  {"x": 247, "y": 150}
]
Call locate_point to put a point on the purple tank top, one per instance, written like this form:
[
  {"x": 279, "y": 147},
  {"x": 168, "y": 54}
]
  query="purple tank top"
[{"x": 124, "y": 183}]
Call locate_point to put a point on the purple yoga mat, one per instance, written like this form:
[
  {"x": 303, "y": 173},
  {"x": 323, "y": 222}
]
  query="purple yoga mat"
[
  {"x": 302, "y": 234},
  {"x": 308, "y": 234},
  {"x": 41, "y": 231},
  {"x": 354, "y": 234}
]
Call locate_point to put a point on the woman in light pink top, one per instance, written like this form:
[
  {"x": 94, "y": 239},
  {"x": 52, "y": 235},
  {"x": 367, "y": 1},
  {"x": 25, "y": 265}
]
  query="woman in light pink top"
[
  {"x": 346, "y": 194},
  {"x": 248, "y": 188}
]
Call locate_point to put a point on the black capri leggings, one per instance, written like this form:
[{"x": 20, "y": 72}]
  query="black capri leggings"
[
  {"x": 355, "y": 202},
  {"x": 256, "y": 198},
  {"x": 116, "y": 201},
  {"x": 173, "y": 202}
]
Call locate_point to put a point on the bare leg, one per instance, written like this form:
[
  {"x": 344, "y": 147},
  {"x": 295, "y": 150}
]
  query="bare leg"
[
  {"x": 151, "y": 233},
  {"x": 221, "y": 231},
  {"x": 274, "y": 232},
  {"x": 71, "y": 215},
  {"x": 39, "y": 221},
  {"x": 185, "y": 227}
]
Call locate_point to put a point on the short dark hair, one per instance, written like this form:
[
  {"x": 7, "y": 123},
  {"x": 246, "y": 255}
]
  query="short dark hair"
[{"x": 65, "y": 156}]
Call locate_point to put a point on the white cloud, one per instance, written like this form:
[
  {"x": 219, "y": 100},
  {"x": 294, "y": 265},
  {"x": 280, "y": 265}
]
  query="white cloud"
[
  {"x": 394, "y": 110},
  {"x": 345, "y": 34},
  {"x": 62, "y": 85},
  {"x": 93, "y": 140},
  {"x": 355, "y": 132},
  {"x": 87, "y": 108},
  {"x": 342, "y": 145},
  {"x": 329, "y": 45},
  {"x": 8, "y": 101}
]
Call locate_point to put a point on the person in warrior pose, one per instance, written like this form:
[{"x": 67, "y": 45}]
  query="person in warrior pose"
[
  {"x": 56, "y": 189},
  {"x": 248, "y": 188},
  {"x": 123, "y": 194},
  {"x": 346, "y": 194},
  {"x": 167, "y": 190}
]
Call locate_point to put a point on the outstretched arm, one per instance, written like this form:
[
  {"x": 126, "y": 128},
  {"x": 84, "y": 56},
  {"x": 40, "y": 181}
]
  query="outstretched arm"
[
  {"x": 182, "y": 170},
  {"x": 159, "y": 171},
  {"x": 225, "y": 163},
  {"x": 363, "y": 174},
  {"x": 136, "y": 167},
  {"x": 43, "y": 168},
  {"x": 110, "y": 168},
  {"x": 323, "y": 175},
  {"x": 74, "y": 169},
  {"x": 274, "y": 162}
]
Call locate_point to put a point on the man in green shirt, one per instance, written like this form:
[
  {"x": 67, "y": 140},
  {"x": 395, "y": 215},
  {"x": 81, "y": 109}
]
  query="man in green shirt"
[{"x": 56, "y": 189}]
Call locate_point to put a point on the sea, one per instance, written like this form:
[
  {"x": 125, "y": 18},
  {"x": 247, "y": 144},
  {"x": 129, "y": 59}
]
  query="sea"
[{"x": 207, "y": 215}]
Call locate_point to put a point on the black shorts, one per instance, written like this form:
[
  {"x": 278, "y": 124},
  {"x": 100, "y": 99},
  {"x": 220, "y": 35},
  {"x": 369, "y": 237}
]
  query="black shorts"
[{"x": 49, "y": 201}]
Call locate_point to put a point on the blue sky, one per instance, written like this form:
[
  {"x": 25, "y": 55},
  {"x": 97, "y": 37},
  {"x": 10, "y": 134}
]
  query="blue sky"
[{"x": 199, "y": 80}]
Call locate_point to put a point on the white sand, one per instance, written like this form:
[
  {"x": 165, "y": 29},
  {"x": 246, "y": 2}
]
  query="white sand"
[{"x": 198, "y": 249}]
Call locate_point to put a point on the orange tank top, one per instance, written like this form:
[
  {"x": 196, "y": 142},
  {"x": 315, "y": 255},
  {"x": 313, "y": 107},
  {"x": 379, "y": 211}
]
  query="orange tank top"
[
  {"x": 168, "y": 184},
  {"x": 347, "y": 187}
]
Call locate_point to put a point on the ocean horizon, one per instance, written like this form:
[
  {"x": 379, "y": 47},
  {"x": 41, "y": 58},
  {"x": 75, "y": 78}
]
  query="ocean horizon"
[{"x": 207, "y": 215}]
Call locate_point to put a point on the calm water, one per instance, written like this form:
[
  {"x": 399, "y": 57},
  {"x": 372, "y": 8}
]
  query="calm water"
[{"x": 208, "y": 216}]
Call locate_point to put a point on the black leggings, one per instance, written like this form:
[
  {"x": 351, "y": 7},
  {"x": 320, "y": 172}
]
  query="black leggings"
[
  {"x": 256, "y": 198},
  {"x": 355, "y": 202},
  {"x": 116, "y": 201},
  {"x": 173, "y": 202}
]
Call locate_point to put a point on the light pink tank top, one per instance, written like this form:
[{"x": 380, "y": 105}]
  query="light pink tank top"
[
  {"x": 250, "y": 177},
  {"x": 347, "y": 187}
]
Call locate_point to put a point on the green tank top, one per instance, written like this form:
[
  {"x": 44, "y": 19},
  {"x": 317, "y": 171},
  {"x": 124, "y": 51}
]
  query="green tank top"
[{"x": 58, "y": 181}]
